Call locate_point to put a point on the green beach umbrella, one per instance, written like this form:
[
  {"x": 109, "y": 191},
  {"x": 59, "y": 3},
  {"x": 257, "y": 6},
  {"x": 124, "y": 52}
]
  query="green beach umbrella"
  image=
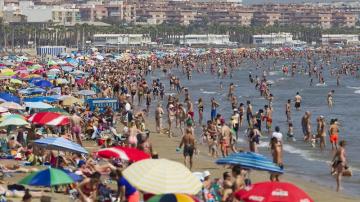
[
  {"x": 47, "y": 178},
  {"x": 56, "y": 110},
  {"x": 14, "y": 122},
  {"x": 15, "y": 81}
]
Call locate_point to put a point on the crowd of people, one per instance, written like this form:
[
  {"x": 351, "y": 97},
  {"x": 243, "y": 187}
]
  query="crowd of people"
[{"x": 128, "y": 81}]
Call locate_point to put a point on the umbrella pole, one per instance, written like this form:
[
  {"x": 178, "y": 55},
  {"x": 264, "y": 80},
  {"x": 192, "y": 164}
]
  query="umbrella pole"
[{"x": 57, "y": 159}]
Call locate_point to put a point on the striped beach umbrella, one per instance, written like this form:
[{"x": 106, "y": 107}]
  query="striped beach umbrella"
[
  {"x": 161, "y": 176},
  {"x": 172, "y": 198},
  {"x": 123, "y": 153},
  {"x": 49, "y": 118},
  {"x": 250, "y": 160},
  {"x": 47, "y": 178}
]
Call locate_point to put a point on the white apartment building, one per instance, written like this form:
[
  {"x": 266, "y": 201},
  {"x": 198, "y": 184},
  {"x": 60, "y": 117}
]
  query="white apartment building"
[
  {"x": 273, "y": 39},
  {"x": 113, "y": 40},
  {"x": 65, "y": 16},
  {"x": 205, "y": 39},
  {"x": 346, "y": 39}
]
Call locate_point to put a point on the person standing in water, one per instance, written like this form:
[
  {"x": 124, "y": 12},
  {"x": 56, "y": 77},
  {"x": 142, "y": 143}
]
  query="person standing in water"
[
  {"x": 214, "y": 105},
  {"x": 200, "y": 106},
  {"x": 330, "y": 99},
  {"x": 288, "y": 111},
  {"x": 297, "y": 99},
  {"x": 321, "y": 131},
  {"x": 249, "y": 113},
  {"x": 334, "y": 134}
]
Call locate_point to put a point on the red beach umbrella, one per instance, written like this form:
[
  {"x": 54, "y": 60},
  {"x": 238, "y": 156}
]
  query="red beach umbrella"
[
  {"x": 49, "y": 118},
  {"x": 123, "y": 153},
  {"x": 271, "y": 192}
]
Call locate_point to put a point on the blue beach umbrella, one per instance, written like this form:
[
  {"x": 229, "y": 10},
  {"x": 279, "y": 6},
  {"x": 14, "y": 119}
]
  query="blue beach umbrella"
[
  {"x": 32, "y": 91},
  {"x": 41, "y": 99},
  {"x": 250, "y": 160},
  {"x": 43, "y": 84},
  {"x": 60, "y": 144},
  {"x": 9, "y": 97}
]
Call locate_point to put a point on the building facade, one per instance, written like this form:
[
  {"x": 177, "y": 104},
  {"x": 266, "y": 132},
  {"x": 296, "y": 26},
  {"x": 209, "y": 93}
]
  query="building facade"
[{"x": 114, "y": 40}]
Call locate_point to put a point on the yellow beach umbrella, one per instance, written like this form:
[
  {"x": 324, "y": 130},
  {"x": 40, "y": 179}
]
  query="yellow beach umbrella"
[
  {"x": 15, "y": 81},
  {"x": 70, "y": 100},
  {"x": 159, "y": 176}
]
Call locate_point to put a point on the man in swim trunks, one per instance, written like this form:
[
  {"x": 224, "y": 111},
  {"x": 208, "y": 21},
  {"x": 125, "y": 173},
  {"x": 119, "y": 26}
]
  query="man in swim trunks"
[
  {"x": 334, "y": 133},
  {"x": 288, "y": 111},
  {"x": 225, "y": 138},
  {"x": 249, "y": 113},
  {"x": 76, "y": 123},
  {"x": 297, "y": 101},
  {"x": 268, "y": 117},
  {"x": 188, "y": 140}
]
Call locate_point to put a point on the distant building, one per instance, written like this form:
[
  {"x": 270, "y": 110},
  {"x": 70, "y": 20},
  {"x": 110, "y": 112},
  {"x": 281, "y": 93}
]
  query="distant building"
[
  {"x": 114, "y": 40},
  {"x": 205, "y": 39},
  {"x": 65, "y": 16},
  {"x": 329, "y": 39},
  {"x": 35, "y": 13},
  {"x": 273, "y": 39}
]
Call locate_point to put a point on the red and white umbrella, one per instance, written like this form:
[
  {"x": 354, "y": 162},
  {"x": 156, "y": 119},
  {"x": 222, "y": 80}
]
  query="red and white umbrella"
[
  {"x": 273, "y": 191},
  {"x": 123, "y": 153},
  {"x": 49, "y": 118}
]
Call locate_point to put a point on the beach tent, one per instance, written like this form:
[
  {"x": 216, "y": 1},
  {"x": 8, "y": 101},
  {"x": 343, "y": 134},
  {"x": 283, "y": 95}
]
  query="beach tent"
[
  {"x": 47, "y": 178},
  {"x": 250, "y": 160},
  {"x": 60, "y": 144},
  {"x": 273, "y": 191},
  {"x": 161, "y": 176}
]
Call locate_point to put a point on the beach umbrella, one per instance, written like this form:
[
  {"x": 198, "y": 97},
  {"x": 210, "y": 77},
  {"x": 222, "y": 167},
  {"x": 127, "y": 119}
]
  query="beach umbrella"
[
  {"x": 86, "y": 92},
  {"x": 273, "y": 191},
  {"x": 15, "y": 81},
  {"x": 60, "y": 144},
  {"x": 12, "y": 121},
  {"x": 3, "y": 109},
  {"x": 161, "y": 176},
  {"x": 75, "y": 177},
  {"x": 123, "y": 153},
  {"x": 67, "y": 68},
  {"x": 32, "y": 91},
  {"x": 62, "y": 81},
  {"x": 38, "y": 105},
  {"x": 34, "y": 67},
  {"x": 11, "y": 105},
  {"x": 41, "y": 99},
  {"x": 43, "y": 84},
  {"x": 9, "y": 97},
  {"x": 16, "y": 116},
  {"x": 54, "y": 71},
  {"x": 70, "y": 100},
  {"x": 52, "y": 62},
  {"x": 49, "y": 118},
  {"x": 47, "y": 178},
  {"x": 56, "y": 110},
  {"x": 250, "y": 160},
  {"x": 172, "y": 198},
  {"x": 7, "y": 72}
]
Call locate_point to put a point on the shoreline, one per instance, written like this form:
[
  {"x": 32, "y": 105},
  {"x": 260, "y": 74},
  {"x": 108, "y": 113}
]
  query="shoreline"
[{"x": 166, "y": 148}]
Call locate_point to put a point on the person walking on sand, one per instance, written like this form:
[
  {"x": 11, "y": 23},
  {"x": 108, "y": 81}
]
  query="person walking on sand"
[
  {"x": 158, "y": 117},
  {"x": 339, "y": 163},
  {"x": 188, "y": 141},
  {"x": 171, "y": 117},
  {"x": 276, "y": 151},
  {"x": 297, "y": 100}
]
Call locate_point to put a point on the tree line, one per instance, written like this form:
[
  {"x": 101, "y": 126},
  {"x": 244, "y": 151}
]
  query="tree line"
[{"x": 29, "y": 34}]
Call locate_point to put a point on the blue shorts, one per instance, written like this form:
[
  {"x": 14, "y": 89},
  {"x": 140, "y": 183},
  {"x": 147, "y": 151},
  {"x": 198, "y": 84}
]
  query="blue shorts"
[{"x": 213, "y": 114}]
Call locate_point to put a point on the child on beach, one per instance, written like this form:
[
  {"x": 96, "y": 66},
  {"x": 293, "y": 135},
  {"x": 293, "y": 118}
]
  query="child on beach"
[{"x": 290, "y": 133}]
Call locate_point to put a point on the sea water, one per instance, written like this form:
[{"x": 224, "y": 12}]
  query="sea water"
[{"x": 300, "y": 158}]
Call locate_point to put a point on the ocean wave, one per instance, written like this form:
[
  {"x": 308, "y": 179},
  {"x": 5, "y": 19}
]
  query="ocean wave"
[
  {"x": 208, "y": 92},
  {"x": 353, "y": 87},
  {"x": 274, "y": 73},
  {"x": 321, "y": 84},
  {"x": 357, "y": 92}
]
